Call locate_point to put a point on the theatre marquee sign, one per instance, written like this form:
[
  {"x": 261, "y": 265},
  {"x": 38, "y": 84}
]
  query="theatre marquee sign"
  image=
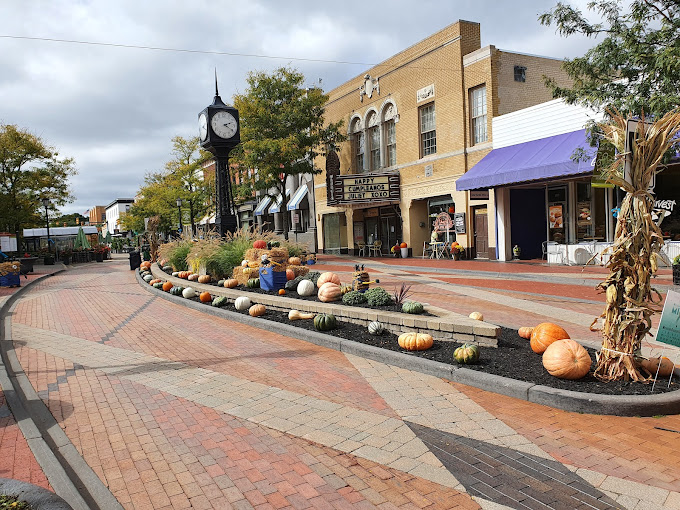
[{"x": 363, "y": 188}]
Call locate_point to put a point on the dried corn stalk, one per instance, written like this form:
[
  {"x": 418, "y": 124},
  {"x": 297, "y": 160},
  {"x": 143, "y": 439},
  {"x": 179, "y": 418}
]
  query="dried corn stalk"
[{"x": 630, "y": 297}]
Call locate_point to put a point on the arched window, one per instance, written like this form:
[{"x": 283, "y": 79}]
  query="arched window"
[
  {"x": 358, "y": 145},
  {"x": 390, "y": 134},
  {"x": 373, "y": 130}
]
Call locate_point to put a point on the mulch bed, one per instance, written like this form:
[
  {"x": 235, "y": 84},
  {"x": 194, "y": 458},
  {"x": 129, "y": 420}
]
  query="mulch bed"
[{"x": 513, "y": 358}]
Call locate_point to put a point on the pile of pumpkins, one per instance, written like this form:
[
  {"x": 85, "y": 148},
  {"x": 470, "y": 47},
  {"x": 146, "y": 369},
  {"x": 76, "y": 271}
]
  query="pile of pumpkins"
[{"x": 563, "y": 357}]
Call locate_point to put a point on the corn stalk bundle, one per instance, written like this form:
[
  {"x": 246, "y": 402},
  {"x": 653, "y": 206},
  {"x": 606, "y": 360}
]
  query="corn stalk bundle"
[{"x": 634, "y": 254}]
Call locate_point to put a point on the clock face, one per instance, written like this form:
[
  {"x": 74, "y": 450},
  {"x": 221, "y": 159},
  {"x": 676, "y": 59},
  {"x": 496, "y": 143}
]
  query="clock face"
[
  {"x": 224, "y": 124},
  {"x": 203, "y": 126}
]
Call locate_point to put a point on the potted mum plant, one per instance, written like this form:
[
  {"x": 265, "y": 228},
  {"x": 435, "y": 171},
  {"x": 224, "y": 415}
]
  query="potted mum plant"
[{"x": 456, "y": 250}]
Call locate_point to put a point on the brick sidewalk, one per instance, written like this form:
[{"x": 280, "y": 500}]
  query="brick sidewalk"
[{"x": 176, "y": 409}]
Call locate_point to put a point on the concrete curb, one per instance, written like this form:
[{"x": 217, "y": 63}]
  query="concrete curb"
[
  {"x": 68, "y": 473},
  {"x": 567, "y": 400},
  {"x": 37, "y": 497}
]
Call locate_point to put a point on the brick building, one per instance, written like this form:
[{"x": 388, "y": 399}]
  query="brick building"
[{"x": 415, "y": 123}]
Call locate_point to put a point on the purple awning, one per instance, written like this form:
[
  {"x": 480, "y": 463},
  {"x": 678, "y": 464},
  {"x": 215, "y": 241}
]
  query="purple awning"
[{"x": 530, "y": 161}]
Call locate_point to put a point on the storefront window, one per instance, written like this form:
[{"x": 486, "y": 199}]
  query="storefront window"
[
  {"x": 557, "y": 214},
  {"x": 437, "y": 205},
  {"x": 667, "y": 191},
  {"x": 591, "y": 213}
]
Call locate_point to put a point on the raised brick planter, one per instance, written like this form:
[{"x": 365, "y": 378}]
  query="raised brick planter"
[{"x": 446, "y": 325}]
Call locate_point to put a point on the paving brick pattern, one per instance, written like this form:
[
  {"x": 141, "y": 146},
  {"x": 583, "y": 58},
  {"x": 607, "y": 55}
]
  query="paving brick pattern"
[{"x": 176, "y": 409}]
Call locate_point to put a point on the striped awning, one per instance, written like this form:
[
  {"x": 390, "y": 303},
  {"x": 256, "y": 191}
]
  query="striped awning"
[
  {"x": 297, "y": 197},
  {"x": 262, "y": 206},
  {"x": 276, "y": 206}
]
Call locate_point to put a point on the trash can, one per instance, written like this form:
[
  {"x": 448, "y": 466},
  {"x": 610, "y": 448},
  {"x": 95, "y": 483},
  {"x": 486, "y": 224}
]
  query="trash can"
[
  {"x": 146, "y": 252},
  {"x": 135, "y": 260}
]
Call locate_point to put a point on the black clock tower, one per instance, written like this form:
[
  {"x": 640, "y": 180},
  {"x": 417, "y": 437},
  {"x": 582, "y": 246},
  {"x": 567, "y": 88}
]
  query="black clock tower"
[{"x": 219, "y": 132}]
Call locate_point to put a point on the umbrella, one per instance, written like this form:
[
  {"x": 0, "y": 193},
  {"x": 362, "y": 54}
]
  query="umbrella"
[
  {"x": 107, "y": 238},
  {"x": 100, "y": 237},
  {"x": 81, "y": 240}
]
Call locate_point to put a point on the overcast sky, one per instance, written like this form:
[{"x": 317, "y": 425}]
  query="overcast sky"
[{"x": 115, "y": 109}]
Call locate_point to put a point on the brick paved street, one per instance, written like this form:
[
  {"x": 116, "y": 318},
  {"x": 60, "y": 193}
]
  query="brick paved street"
[{"x": 173, "y": 408}]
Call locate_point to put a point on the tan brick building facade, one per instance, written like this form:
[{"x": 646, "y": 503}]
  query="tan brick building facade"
[{"x": 424, "y": 114}]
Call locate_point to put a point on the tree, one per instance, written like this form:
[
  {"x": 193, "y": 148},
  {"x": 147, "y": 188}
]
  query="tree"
[
  {"x": 181, "y": 179},
  {"x": 635, "y": 67},
  {"x": 282, "y": 131},
  {"x": 30, "y": 170}
]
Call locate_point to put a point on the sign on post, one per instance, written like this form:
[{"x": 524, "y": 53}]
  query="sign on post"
[{"x": 669, "y": 325}]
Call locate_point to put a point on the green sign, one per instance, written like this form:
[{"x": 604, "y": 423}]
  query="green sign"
[{"x": 669, "y": 325}]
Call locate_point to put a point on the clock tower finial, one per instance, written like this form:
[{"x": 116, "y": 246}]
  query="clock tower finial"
[{"x": 217, "y": 93}]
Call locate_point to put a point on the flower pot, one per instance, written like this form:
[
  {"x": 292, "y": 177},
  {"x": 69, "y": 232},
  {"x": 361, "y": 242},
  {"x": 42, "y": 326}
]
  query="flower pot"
[
  {"x": 676, "y": 274},
  {"x": 99, "y": 257},
  {"x": 404, "y": 252},
  {"x": 48, "y": 260}
]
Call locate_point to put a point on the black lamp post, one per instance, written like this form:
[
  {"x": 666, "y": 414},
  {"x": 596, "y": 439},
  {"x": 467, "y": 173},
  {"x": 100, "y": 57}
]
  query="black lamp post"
[
  {"x": 46, "y": 202},
  {"x": 179, "y": 210}
]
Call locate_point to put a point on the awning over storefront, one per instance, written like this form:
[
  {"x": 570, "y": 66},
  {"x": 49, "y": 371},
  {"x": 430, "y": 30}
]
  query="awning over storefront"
[
  {"x": 276, "y": 206},
  {"x": 530, "y": 161},
  {"x": 264, "y": 203},
  {"x": 297, "y": 197}
]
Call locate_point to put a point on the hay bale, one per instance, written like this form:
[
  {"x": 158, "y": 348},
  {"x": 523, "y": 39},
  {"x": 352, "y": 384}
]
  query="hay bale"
[
  {"x": 255, "y": 253},
  {"x": 299, "y": 270},
  {"x": 278, "y": 253}
]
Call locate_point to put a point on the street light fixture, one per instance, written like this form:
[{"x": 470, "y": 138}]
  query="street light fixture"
[
  {"x": 179, "y": 210},
  {"x": 46, "y": 203}
]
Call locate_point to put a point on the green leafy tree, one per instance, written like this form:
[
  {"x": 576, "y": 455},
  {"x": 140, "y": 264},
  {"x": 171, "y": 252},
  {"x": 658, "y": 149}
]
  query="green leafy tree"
[
  {"x": 282, "y": 131},
  {"x": 183, "y": 179},
  {"x": 635, "y": 66},
  {"x": 30, "y": 170}
]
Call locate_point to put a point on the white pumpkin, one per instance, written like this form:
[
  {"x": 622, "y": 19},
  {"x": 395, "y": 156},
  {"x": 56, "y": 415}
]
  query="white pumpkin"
[
  {"x": 148, "y": 278},
  {"x": 242, "y": 303},
  {"x": 306, "y": 288},
  {"x": 476, "y": 316},
  {"x": 175, "y": 273},
  {"x": 376, "y": 328},
  {"x": 193, "y": 277},
  {"x": 188, "y": 293}
]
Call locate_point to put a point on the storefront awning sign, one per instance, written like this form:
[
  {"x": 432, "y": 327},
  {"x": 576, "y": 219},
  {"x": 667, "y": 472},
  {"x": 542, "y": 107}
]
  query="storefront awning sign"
[{"x": 547, "y": 158}]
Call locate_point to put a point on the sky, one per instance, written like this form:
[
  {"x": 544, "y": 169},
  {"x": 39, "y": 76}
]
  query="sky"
[{"x": 115, "y": 109}]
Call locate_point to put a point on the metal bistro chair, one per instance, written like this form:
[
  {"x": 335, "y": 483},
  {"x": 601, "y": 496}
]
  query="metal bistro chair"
[
  {"x": 375, "y": 249},
  {"x": 427, "y": 249},
  {"x": 362, "y": 249}
]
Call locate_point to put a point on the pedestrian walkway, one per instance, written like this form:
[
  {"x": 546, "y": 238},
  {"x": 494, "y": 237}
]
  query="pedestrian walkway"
[{"x": 173, "y": 408}]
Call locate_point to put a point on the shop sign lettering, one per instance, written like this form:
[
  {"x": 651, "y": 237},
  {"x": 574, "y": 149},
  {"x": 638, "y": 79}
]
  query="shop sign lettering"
[
  {"x": 349, "y": 189},
  {"x": 367, "y": 187}
]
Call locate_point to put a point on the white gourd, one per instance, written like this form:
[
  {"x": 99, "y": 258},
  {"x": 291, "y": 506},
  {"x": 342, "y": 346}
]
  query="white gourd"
[
  {"x": 188, "y": 293},
  {"x": 148, "y": 278},
  {"x": 242, "y": 303},
  {"x": 306, "y": 288},
  {"x": 376, "y": 328},
  {"x": 175, "y": 273}
]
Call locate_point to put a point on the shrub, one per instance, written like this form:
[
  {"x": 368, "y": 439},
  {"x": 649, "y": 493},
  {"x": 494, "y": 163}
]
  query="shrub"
[
  {"x": 378, "y": 297},
  {"x": 176, "y": 253},
  {"x": 354, "y": 297}
]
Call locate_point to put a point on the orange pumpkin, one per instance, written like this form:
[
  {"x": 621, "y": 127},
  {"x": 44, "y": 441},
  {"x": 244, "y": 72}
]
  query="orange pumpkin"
[
  {"x": 205, "y": 297},
  {"x": 231, "y": 283},
  {"x": 330, "y": 291},
  {"x": 294, "y": 261},
  {"x": 145, "y": 265},
  {"x": 167, "y": 286},
  {"x": 184, "y": 274},
  {"x": 193, "y": 277},
  {"x": 403, "y": 245},
  {"x": 290, "y": 274},
  {"x": 652, "y": 364},
  {"x": 328, "y": 277},
  {"x": 256, "y": 310},
  {"x": 566, "y": 359},
  {"x": 525, "y": 332},
  {"x": 204, "y": 278},
  {"x": 415, "y": 341},
  {"x": 544, "y": 334},
  {"x": 259, "y": 244},
  {"x": 282, "y": 292},
  {"x": 155, "y": 280}
]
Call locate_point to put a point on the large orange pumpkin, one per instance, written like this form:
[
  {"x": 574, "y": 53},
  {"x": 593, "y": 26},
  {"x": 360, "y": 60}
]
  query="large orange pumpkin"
[
  {"x": 205, "y": 297},
  {"x": 566, "y": 359},
  {"x": 544, "y": 334},
  {"x": 330, "y": 291},
  {"x": 415, "y": 341},
  {"x": 328, "y": 277},
  {"x": 256, "y": 310},
  {"x": 231, "y": 283}
]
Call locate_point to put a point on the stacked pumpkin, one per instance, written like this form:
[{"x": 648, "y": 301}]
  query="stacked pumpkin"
[{"x": 563, "y": 357}]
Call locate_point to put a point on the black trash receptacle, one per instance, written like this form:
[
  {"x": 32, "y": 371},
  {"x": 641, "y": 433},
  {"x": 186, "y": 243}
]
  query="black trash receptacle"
[{"x": 135, "y": 259}]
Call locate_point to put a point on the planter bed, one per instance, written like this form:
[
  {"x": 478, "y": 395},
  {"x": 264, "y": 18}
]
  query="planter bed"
[
  {"x": 512, "y": 358},
  {"x": 442, "y": 324}
]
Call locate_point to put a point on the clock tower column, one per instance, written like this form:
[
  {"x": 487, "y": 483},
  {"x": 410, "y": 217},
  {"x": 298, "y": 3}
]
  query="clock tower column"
[{"x": 219, "y": 132}]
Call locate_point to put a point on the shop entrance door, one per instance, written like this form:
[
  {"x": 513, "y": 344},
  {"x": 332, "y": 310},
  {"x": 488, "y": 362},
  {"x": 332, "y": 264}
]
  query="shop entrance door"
[
  {"x": 388, "y": 232},
  {"x": 331, "y": 234},
  {"x": 481, "y": 233}
]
